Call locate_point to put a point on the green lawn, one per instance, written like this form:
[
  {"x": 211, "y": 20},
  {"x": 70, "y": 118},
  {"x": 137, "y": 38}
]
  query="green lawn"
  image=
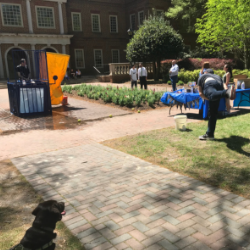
[{"x": 223, "y": 163}]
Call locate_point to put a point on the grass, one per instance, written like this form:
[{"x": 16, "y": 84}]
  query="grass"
[
  {"x": 17, "y": 201},
  {"x": 224, "y": 163}
]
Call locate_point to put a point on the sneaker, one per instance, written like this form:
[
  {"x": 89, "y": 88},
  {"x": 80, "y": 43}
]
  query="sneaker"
[
  {"x": 231, "y": 92},
  {"x": 206, "y": 137}
]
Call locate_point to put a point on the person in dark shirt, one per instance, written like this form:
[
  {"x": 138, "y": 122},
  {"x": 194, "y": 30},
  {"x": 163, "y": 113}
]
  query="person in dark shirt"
[
  {"x": 23, "y": 71},
  {"x": 211, "y": 89}
]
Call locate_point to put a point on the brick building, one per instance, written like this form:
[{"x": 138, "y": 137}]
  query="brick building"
[
  {"x": 93, "y": 32},
  {"x": 99, "y": 29},
  {"x": 30, "y": 25}
]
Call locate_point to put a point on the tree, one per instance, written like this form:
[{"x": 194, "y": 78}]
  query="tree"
[
  {"x": 188, "y": 10},
  {"x": 154, "y": 41},
  {"x": 226, "y": 27}
]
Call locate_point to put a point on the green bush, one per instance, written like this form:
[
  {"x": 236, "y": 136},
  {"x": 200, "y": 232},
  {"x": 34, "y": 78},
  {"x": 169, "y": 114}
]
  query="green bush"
[
  {"x": 180, "y": 82},
  {"x": 169, "y": 82}
]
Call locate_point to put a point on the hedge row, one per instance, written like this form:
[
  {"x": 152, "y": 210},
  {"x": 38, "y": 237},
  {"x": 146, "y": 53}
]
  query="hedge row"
[
  {"x": 192, "y": 76},
  {"x": 196, "y": 63}
]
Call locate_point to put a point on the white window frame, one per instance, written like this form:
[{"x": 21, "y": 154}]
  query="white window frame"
[
  {"x": 45, "y": 7},
  {"x": 80, "y": 16},
  {"x": 130, "y": 18},
  {"x": 139, "y": 22},
  {"x": 116, "y": 19},
  {"x": 77, "y": 67},
  {"x": 101, "y": 57},
  {"x": 21, "y": 14},
  {"x": 118, "y": 55},
  {"x": 98, "y": 21}
]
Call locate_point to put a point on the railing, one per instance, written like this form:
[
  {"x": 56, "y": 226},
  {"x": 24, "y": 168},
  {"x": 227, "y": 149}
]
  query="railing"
[{"x": 123, "y": 68}]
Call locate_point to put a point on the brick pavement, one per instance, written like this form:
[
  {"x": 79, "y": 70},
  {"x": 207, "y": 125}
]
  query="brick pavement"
[
  {"x": 63, "y": 131},
  {"x": 117, "y": 201}
]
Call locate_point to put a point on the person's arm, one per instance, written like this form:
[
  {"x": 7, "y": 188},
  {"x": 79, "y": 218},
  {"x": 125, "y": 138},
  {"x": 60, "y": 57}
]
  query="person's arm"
[
  {"x": 130, "y": 75},
  {"x": 146, "y": 74},
  {"x": 201, "y": 94},
  {"x": 227, "y": 80},
  {"x": 201, "y": 72}
]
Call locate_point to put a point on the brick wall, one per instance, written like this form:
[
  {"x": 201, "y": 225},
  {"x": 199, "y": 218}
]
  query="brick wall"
[
  {"x": 9, "y": 29},
  {"x": 25, "y": 28}
]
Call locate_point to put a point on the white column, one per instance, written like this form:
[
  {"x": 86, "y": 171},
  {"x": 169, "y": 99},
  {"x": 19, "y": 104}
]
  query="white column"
[
  {"x": 1, "y": 64},
  {"x": 63, "y": 49},
  {"x": 60, "y": 18},
  {"x": 33, "y": 72},
  {"x": 29, "y": 16}
]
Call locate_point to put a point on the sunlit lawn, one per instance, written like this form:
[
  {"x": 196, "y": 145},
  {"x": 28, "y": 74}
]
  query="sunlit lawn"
[{"x": 223, "y": 163}]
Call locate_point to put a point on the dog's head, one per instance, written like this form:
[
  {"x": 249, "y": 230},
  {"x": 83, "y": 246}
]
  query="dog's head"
[{"x": 51, "y": 209}]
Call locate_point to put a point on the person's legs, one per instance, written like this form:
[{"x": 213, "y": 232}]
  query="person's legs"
[
  {"x": 173, "y": 82},
  {"x": 214, "y": 91},
  {"x": 142, "y": 81},
  {"x": 132, "y": 84},
  {"x": 212, "y": 117},
  {"x": 145, "y": 84},
  {"x": 135, "y": 84}
]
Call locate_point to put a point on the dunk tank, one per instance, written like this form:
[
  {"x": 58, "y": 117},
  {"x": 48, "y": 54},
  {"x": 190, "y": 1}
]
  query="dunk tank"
[{"x": 37, "y": 86}]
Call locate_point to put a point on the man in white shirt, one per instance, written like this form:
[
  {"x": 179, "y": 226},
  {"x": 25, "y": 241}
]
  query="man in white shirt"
[
  {"x": 133, "y": 76},
  {"x": 142, "y": 76},
  {"x": 173, "y": 74}
]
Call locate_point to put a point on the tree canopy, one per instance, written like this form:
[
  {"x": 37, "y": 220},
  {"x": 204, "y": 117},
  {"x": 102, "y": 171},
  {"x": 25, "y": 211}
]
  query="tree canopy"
[
  {"x": 188, "y": 10},
  {"x": 154, "y": 41},
  {"x": 226, "y": 27}
]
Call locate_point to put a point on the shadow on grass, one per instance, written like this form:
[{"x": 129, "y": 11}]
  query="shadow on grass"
[{"x": 236, "y": 143}]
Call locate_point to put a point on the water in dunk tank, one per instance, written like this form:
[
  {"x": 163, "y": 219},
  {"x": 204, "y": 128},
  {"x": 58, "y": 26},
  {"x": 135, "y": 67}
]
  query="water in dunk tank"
[{"x": 37, "y": 81}]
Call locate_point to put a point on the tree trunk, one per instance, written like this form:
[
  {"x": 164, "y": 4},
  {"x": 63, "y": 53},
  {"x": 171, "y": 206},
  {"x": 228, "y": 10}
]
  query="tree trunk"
[
  {"x": 245, "y": 57},
  {"x": 154, "y": 70}
]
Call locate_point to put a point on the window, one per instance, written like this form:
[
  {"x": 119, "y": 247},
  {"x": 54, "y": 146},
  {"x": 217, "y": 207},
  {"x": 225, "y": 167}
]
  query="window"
[
  {"x": 115, "y": 56},
  {"x": 76, "y": 21},
  {"x": 132, "y": 21},
  {"x": 140, "y": 17},
  {"x": 96, "y": 23},
  {"x": 159, "y": 12},
  {"x": 11, "y": 15},
  {"x": 45, "y": 17},
  {"x": 113, "y": 24},
  {"x": 79, "y": 58},
  {"x": 98, "y": 58}
]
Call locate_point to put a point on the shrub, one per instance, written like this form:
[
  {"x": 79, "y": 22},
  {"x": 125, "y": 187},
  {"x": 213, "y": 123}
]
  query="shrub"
[
  {"x": 196, "y": 63},
  {"x": 169, "y": 82},
  {"x": 180, "y": 82}
]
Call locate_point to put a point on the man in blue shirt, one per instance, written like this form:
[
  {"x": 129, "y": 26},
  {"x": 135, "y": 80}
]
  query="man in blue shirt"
[{"x": 173, "y": 74}]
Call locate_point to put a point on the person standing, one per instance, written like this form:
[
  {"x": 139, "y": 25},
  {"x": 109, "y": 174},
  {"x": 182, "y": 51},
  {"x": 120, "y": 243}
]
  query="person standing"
[
  {"x": 173, "y": 74},
  {"x": 211, "y": 89},
  {"x": 23, "y": 71},
  {"x": 142, "y": 76},
  {"x": 133, "y": 76},
  {"x": 226, "y": 79}
]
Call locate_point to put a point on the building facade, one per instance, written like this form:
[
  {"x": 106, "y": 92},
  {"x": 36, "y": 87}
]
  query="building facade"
[
  {"x": 31, "y": 25},
  {"x": 93, "y": 32}
]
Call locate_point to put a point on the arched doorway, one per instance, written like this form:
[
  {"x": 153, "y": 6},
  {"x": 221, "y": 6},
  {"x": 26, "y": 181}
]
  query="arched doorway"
[
  {"x": 50, "y": 50},
  {"x": 14, "y": 56}
]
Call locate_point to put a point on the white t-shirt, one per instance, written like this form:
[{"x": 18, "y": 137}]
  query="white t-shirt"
[{"x": 133, "y": 73}]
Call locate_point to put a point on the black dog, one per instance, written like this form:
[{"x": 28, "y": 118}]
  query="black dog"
[{"x": 40, "y": 235}]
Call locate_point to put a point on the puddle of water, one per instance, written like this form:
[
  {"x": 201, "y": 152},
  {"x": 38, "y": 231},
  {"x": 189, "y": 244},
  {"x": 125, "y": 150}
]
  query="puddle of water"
[{"x": 55, "y": 121}]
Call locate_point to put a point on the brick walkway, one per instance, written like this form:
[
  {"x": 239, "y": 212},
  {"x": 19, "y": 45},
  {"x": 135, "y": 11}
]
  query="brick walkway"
[{"x": 117, "y": 201}]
